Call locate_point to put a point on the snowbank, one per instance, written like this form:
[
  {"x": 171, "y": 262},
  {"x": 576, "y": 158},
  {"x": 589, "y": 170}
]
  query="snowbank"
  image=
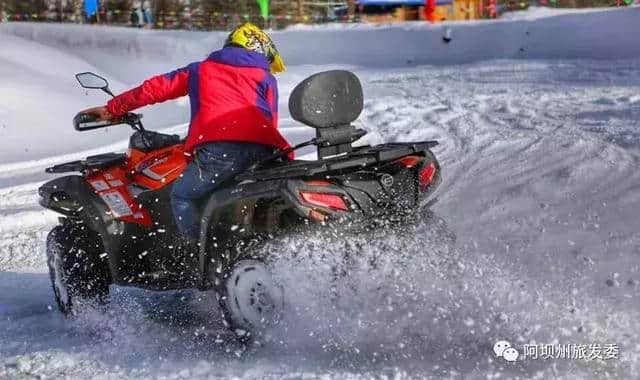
[
  {"x": 598, "y": 35},
  {"x": 38, "y": 98},
  {"x": 542, "y": 33},
  {"x": 38, "y": 95},
  {"x": 533, "y": 13}
]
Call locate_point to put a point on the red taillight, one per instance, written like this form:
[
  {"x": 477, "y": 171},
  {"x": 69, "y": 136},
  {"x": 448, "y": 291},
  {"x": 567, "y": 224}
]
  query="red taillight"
[
  {"x": 409, "y": 161},
  {"x": 426, "y": 176},
  {"x": 331, "y": 201},
  {"x": 318, "y": 182}
]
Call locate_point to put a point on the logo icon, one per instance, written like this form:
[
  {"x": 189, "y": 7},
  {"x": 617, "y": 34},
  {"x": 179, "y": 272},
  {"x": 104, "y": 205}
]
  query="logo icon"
[
  {"x": 503, "y": 349},
  {"x": 386, "y": 180}
]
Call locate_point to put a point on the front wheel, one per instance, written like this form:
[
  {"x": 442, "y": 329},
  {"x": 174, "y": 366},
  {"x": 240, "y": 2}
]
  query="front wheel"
[
  {"x": 249, "y": 298},
  {"x": 78, "y": 275}
]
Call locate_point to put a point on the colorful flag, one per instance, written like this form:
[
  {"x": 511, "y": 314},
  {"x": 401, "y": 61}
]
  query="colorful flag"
[
  {"x": 90, "y": 7},
  {"x": 430, "y": 10},
  {"x": 264, "y": 8}
]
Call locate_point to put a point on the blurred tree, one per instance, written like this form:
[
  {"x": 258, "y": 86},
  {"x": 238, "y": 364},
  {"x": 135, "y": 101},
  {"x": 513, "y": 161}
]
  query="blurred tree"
[
  {"x": 26, "y": 7},
  {"x": 117, "y": 4},
  {"x": 351, "y": 8},
  {"x": 118, "y": 11},
  {"x": 209, "y": 14},
  {"x": 300, "y": 9},
  {"x": 166, "y": 12},
  {"x": 76, "y": 10}
]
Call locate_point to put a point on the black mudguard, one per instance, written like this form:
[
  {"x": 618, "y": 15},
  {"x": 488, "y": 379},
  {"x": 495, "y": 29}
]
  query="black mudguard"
[
  {"x": 217, "y": 212},
  {"x": 74, "y": 197}
]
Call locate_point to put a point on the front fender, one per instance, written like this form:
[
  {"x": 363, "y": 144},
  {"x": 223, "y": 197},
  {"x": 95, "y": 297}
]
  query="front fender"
[{"x": 74, "y": 197}]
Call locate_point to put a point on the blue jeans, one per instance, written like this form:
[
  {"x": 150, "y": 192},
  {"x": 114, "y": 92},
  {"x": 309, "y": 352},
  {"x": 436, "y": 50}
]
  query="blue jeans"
[{"x": 213, "y": 164}]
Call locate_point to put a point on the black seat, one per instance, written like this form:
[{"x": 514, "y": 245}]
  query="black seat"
[
  {"x": 147, "y": 141},
  {"x": 105, "y": 160},
  {"x": 97, "y": 162}
]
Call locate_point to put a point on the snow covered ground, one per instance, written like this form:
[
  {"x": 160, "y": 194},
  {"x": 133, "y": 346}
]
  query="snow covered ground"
[{"x": 540, "y": 146}]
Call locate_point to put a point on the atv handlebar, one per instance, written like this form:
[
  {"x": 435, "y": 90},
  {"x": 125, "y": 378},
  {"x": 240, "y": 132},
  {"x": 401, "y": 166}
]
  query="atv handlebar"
[{"x": 86, "y": 122}]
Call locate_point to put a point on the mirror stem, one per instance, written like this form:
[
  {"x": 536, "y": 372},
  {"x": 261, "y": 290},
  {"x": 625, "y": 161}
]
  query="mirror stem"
[{"x": 108, "y": 91}]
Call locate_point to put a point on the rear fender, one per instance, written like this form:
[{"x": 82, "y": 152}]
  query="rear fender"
[
  {"x": 424, "y": 195},
  {"x": 238, "y": 212},
  {"x": 394, "y": 184},
  {"x": 224, "y": 209},
  {"x": 406, "y": 189}
]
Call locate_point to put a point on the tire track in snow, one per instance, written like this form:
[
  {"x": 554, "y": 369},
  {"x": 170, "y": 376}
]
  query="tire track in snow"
[
  {"x": 530, "y": 188},
  {"x": 524, "y": 194}
]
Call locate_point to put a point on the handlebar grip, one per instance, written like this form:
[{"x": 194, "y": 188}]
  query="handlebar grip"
[
  {"x": 129, "y": 118},
  {"x": 85, "y": 118},
  {"x": 86, "y": 122}
]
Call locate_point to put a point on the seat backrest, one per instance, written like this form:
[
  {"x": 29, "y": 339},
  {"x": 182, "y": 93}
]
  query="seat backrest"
[{"x": 329, "y": 101}]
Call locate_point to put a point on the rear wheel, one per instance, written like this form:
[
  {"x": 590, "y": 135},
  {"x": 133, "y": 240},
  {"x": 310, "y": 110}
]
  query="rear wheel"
[
  {"x": 78, "y": 275},
  {"x": 250, "y": 299}
]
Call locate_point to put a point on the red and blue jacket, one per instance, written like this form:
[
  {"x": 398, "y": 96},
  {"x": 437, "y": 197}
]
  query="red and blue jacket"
[{"x": 233, "y": 96}]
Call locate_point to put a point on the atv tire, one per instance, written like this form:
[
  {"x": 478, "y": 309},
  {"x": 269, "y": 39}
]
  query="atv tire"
[
  {"x": 250, "y": 300},
  {"x": 78, "y": 275}
]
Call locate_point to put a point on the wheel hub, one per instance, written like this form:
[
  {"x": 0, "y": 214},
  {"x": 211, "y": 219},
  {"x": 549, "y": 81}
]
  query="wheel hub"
[
  {"x": 260, "y": 299},
  {"x": 255, "y": 300}
]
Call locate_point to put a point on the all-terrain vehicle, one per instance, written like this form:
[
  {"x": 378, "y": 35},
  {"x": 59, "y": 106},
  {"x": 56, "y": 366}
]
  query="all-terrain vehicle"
[{"x": 118, "y": 228}]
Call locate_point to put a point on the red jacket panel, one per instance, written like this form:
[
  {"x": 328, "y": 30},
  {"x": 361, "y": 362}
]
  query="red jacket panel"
[{"x": 233, "y": 97}]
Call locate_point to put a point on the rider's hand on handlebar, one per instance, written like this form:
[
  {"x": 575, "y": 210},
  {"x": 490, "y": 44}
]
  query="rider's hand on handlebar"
[{"x": 100, "y": 112}]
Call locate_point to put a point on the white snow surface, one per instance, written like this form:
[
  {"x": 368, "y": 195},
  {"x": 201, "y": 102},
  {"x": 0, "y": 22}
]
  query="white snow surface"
[{"x": 534, "y": 239}]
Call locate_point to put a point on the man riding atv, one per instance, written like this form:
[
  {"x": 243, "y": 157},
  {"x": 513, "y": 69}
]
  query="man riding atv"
[
  {"x": 116, "y": 229},
  {"x": 234, "y": 116}
]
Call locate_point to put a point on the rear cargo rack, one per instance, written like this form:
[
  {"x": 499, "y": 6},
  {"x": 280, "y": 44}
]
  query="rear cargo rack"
[{"x": 360, "y": 157}]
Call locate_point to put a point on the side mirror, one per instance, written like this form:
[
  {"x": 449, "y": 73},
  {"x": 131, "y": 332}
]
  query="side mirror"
[{"x": 93, "y": 81}]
